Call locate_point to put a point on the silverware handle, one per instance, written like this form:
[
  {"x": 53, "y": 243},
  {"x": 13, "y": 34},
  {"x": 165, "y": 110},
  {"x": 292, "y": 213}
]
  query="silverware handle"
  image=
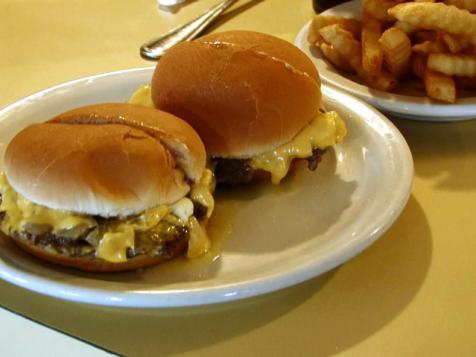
[{"x": 155, "y": 49}]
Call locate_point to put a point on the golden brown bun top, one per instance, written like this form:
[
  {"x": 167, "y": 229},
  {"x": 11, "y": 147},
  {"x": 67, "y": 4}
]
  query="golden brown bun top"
[
  {"x": 244, "y": 92},
  {"x": 178, "y": 136},
  {"x": 95, "y": 164},
  {"x": 268, "y": 44}
]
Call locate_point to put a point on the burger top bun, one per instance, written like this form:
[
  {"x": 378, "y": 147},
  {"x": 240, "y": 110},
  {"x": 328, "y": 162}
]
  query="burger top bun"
[
  {"x": 174, "y": 133},
  {"x": 244, "y": 92},
  {"x": 106, "y": 160}
]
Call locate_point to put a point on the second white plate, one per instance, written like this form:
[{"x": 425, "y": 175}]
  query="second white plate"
[
  {"x": 265, "y": 237},
  {"x": 417, "y": 107}
]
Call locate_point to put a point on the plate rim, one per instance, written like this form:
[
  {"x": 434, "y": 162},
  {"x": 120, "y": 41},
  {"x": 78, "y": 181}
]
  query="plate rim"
[
  {"x": 399, "y": 105},
  {"x": 223, "y": 292}
]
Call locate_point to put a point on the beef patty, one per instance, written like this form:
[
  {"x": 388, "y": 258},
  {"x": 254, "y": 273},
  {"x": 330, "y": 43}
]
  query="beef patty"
[
  {"x": 235, "y": 171},
  {"x": 157, "y": 241}
]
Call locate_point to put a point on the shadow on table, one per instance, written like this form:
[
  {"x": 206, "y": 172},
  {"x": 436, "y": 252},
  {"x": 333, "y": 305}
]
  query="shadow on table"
[
  {"x": 445, "y": 152},
  {"x": 327, "y": 314}
]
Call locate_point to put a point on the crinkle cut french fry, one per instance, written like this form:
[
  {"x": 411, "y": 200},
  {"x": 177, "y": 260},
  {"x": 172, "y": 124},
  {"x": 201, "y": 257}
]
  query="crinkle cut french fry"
[
  {"x": 440, "y": 87},
  {"x": 383, "y": 81},
  {"x": 378, "y": 8},
  {"x": 453, "y": 43},
  {"x": 320, "y": 21},
  {"x": 397, "y": 49},
  {"x": 453, "y": 64},
  {"x": 469, "y": 5},
  {"x": 349, "y": 48},
  {"x": 317, "y": 23},
  {"x": 313, "y": 36},
  {"x": 428, "y": 47},
  {"x": 372, "y": 53},
  {"x": 436, "y": 16},
  {"x": 344, "y": 43},
  {"x": 419, "y": 65},
  {"x": 405, "y": 27},
  {"x": 335, "y": 57},
  {"x": 352, "y": 25}
]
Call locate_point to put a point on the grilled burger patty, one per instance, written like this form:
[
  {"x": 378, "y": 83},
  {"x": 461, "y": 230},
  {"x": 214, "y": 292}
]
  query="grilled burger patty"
[
  {"x": 164, "y": 239},
  {"x": 146, "y": 243},
  {"x": 235, "y": 171}
]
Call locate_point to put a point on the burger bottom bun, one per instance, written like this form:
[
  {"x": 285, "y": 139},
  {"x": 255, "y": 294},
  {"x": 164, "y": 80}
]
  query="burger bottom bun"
[{"x": 171, "y": 250}]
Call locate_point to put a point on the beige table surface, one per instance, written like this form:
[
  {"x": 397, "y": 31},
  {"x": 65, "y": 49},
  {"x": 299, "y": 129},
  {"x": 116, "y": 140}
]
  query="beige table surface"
[{"x": 413, "y": 293}]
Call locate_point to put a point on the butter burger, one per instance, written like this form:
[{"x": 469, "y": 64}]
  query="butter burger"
[
  {"x": 107, "y": 187},
  {"x": 253, "y": 98}
]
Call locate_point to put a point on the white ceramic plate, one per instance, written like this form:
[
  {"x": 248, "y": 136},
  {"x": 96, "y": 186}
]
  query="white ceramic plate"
[
  {"x": 265, "y": 237},
  {"x": 410, "y": 103}
]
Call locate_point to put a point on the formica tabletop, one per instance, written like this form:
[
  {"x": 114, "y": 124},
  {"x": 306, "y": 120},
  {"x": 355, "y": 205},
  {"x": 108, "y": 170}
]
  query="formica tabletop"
[{"x": 412, "y": 293}]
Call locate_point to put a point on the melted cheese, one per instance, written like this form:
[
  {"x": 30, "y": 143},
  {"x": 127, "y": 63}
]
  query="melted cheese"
[
  {"x": 148, "y": 219},
  {"x": 198, "y": 243},
  {"x": 325, "y": 130},
  {"x": 142, "y": 96},
  {"x": 202, "y": 191},
  {"x": 183, "y": 208},
  {"x": 120, "y": 236},
  {"x": 113, "y": 245},
  {"x": 24, "y": 215}
]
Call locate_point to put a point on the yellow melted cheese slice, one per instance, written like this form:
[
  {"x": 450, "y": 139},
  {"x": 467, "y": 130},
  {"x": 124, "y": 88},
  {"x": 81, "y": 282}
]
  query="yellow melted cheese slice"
[
  {"x": 142, "y": 96},
  {"x": 202, "y": 192},
  {"x": 322, "y": 132},
  {"x": 198, "y": 243},
  {"x": 113, "y": 245},
  {"x": 24, "y": 215}
]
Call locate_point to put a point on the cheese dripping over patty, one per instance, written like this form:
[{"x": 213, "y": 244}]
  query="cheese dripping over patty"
[
  {"x": 325, "y": 130},
  {"x": 22, "y": 215}
]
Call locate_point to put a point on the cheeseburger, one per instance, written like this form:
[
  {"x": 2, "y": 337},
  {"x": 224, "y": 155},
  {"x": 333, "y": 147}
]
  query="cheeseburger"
[
  {"x": 253, "y": 98},
  {"x": 107, "y": 187}
]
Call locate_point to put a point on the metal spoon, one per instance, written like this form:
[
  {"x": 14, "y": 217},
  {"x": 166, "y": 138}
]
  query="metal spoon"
[{"x": 155, "y": 49}]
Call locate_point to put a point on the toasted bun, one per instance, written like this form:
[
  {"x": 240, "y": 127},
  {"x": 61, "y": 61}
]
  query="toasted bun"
[
  {"x": 98, "y": 265},
  {"x": 244, "y": 92},
  {"x": 106, "y": 160}
]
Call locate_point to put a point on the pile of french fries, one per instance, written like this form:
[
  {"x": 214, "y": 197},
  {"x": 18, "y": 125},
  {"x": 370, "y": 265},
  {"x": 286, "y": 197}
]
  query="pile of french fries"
[{"x": 398, "y": 39}]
